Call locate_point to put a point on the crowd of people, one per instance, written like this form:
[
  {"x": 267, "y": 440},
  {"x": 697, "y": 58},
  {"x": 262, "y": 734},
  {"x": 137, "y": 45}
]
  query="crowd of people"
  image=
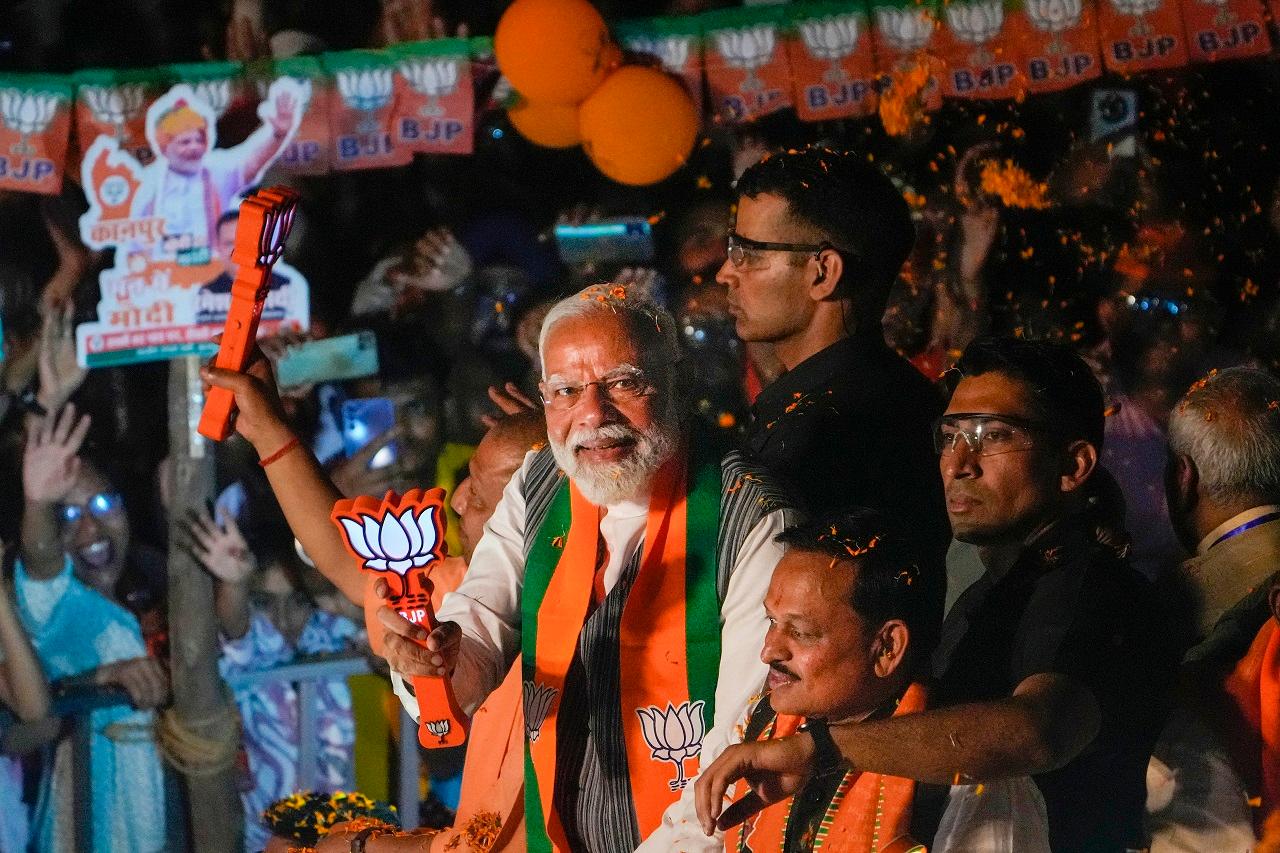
[{"x": 904, "y": 514}]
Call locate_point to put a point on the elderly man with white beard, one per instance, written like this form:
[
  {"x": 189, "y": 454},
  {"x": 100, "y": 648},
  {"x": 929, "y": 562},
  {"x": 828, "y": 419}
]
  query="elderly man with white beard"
[{"x": 626, "y": 565}]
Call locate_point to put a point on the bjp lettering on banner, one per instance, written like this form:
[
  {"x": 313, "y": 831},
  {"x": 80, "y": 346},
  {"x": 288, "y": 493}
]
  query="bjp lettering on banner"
[
  {"x": 1225, "y": 29},
  {"x": 673, "y": 43},
  {"x": 1059, "y": 40},
  {"x": 905, "y": 35},
  {"x": 1141, "y": 35},
  {"x": 172, "y": 224},
  {"x": 833, "y": 70},
  {"x": 981, "y": 59},
  {"x": 308, "y": 151},
  {"x": 435, "y": 107},
  {"x": 362, "y": 110},
  {"x": 746, "y": 62},
  {"x": 115, "y": 103},
  {"x": 35, "y": 125}
]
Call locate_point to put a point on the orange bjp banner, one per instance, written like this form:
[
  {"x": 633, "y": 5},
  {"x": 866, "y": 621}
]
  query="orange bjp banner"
[
  {"x": 435, "y": 102},
  {"x": 309, "y": 151},
  {"x": 980, "y": 53},
  {"x": 833, "y": 70},
  {"x": 1225, "y": 29},
  {"x": 746, "y": 62},
  {"x": 114, "y": 103},
  {"x": 1059, "y": 40},
  {"x": 1141, "y": 35},
  {"x": 905, "y": 37},
  {"x": 35, "y": 126},
  {"x": 362, "y": 111}
]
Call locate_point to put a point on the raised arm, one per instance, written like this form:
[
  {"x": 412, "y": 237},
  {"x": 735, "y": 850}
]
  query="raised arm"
[
  {"x": 1048, "y": 720},
  {"x": 49, "y": 469},
  {"x": 304, "y": 491}
]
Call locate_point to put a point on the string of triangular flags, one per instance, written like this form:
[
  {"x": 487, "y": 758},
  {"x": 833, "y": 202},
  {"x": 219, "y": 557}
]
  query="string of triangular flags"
[{"x": 375, "y": 108}]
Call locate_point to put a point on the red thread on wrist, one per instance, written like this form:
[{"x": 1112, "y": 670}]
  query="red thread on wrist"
[{"x": 275, "y": 457}]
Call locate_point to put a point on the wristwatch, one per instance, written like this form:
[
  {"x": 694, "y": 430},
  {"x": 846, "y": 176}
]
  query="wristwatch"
[{"x": 826, "y": 754}]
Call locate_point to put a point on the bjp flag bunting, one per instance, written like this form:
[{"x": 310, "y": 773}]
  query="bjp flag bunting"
[
  {"x": 435, "y": 108},
  {"x": 35, "y": 124},
  {"x": 1059, "y": 43},
  {"x": 362, "y": 110},
  {"x": 114, "y": 103},
  {"x": 674, "y": 44},
  {"x": 310, "y": 151},
  {"x": 981, "y": 59},
  {"x": 904, "y": 34},
  {"x": 747, "y": 71},
  {"x": 1225, "y": 29},
  {"x": 833, "y": 69},
  {"x": 1142, "y": 35}
]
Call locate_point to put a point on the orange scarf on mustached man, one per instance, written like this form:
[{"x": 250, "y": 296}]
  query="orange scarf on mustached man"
[
  {"x": 1254, "y": 687},
  {"x": 869, "y": 812}
]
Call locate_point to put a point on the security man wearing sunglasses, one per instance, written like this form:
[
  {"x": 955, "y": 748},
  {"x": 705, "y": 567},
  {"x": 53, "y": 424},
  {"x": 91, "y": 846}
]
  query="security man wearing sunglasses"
[
  {"x": 1056, "y": 662},
  {"x": 818, "y": 240}
]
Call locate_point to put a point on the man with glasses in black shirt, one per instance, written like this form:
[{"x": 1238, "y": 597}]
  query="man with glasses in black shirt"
[
  {"x": 818, "y": 239},
  {"x": 1055, "y": 663}
]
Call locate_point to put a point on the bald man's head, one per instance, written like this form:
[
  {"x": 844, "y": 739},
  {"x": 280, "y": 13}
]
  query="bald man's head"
[{"x": 496, "y": 459}]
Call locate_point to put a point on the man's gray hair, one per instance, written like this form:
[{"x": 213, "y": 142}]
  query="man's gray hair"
[
  {"x": 645, "y": 317},
  {"x": 1229, "y": 426}
]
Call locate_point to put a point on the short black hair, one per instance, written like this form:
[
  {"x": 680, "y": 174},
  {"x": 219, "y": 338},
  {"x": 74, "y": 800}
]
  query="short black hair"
[
  {"x": 232, "y": 215},
  {"x": 1065, "y": 394},
  {"x": 888, "y": 582},
  {"x": 854, "y": 206}
]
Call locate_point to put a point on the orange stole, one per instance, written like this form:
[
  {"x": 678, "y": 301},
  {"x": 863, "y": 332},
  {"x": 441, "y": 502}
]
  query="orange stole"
[
  {"x": 855, "y": 825},
  {"x": 1254, "y": 687},
  {"x": 652, "y": 643}
]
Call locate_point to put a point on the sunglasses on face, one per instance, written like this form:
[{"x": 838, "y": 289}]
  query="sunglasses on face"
[
  {"x": 99, "y": 506},
  {"x": 984, "y": 434},
  {"x": 742, "y": 250}
]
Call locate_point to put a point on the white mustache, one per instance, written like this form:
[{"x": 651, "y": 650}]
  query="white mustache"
[{"x": 608, "y": 432}]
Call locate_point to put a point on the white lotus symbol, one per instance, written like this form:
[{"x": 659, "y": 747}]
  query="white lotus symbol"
[
  {"x": 905, "y": 30},
  {"x": 537, "y": 702},
  {"x": 399, "y": 543},
  {"x": 672, "y": 52},
  {"x": 749, "y": 48},
  {"x": 832, "y": 38},
  {"x": 434, "y": 78},
  {"x": 215, "y": 93},
  {"x": 26, "y": 113},
  {"x": 367, "y": 90},
  {"x": 115, "y": 105},
  {"x": 977, "y": 24},
  {"x": 674, "y": 735},
  {"x": 1225, "y": 16},
  {"x": 1055, "y": 16},
  {"x": 439, "y": 728},
  {"x": 1139, "y": 9}
]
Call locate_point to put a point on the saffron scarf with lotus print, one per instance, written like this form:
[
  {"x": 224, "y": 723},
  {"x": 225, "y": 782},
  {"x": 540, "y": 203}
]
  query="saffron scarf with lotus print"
[{"x": 668, "y": 641}]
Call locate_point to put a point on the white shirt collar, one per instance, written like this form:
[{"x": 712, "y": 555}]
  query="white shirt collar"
[{"x": 1232, "y": 523}]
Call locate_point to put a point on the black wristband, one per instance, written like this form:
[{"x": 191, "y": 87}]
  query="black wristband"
[
  {"x": 357, "y": 843},
  {"x": 826, "y": 754}
]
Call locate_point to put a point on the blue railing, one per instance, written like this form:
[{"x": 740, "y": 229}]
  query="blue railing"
[{"x": 75, "y": 706}]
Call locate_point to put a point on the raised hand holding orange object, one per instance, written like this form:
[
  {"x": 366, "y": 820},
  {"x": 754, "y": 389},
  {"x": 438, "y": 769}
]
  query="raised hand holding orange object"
[{"x": 400, "y": 539}]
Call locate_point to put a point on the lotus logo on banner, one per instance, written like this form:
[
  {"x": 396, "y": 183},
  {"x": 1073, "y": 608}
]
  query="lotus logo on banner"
[
  {"x": 748, "y": 48},
  {"x": 26, "y": 113},
  {"x": 1225, "y": 16},
  {"x": 434, "y": 78},
  {"x": 215, "y": 93},
  {"x": 1138, "y": 9},
  {"x": 115, "y": 105},
  {"x": 905, "y": 30},
  {"x": 366, "y": 90},
  {"x": 672, "y": 52},
  {"x": 673, "y": 735},
  {"x": 976, "y": 24},
  {"x": 1055, "y": 16},
  {"x": 394, "y": 543},
  {"x": 537, "y": 703},
  {"x": 831, "y": 39}
]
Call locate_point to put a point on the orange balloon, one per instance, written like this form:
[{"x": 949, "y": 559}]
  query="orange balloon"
[
  {"x": 639, "y": 126},
  {"x": 554, "y": 51},
  {"x": 548, "y": 125}
]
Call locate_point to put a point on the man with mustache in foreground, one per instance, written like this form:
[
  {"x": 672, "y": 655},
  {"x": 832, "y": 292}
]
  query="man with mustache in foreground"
[
  {"x": 626, "y": 563},
  {"x": 1051, "y": 663}
]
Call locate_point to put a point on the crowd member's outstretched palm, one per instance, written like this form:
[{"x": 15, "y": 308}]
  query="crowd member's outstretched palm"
[{"x": 50, "y": 463}]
